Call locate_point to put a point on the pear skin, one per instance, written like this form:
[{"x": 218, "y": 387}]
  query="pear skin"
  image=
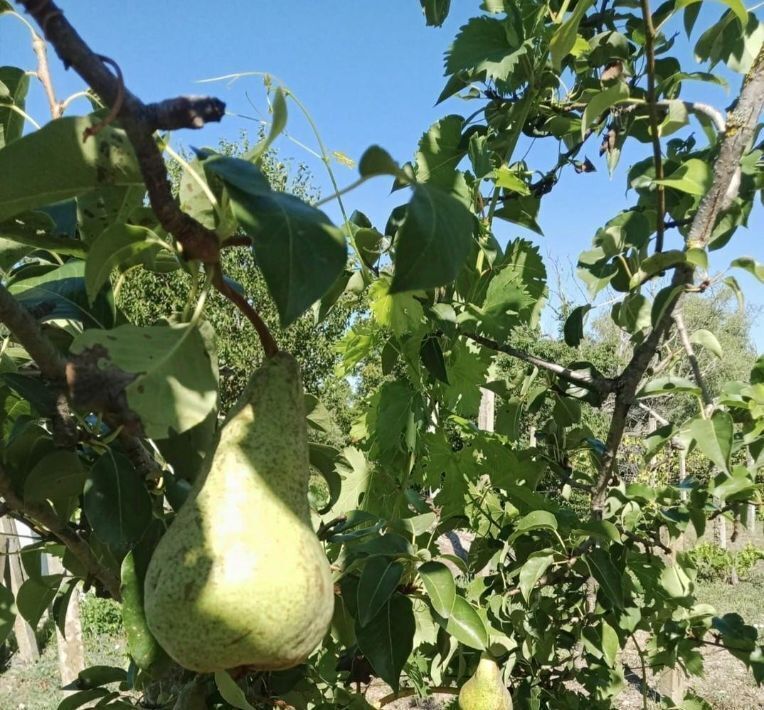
[
  {"x": 240, "y": 578},
  {"x": 485, "y": 690}
]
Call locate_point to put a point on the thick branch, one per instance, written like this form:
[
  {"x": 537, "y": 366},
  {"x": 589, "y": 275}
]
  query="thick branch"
[
  {"x": 653, "y": 114},
  {"x": 740, "y": 128},
  {"x": 26, "y": 331},
  {"x": 139, "y": 122},
  {"x": 741, "y": 124},
  {"x": 45, "y": 515},
  {"x": 600, "y": 384}
]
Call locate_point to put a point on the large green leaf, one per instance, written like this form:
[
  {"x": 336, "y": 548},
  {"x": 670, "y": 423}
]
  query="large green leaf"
[
  {"x": 693, "y": 177},
  {"x": 440, "y": 586},
  {"x": 16, "y": 84},
  {"x": 35, "y": 596},
  {"x": 433, "y": 241},
  {"x": 435, "y": 11},
  {"x": 174, "y": 371},
  {"x": 564, "y": 36},
  {"x": 231, "y": 692},
  {"x": 379, "y": 579},
  {"x": 387, "y": 640},
  {"x": 487, "y": 45},
  {"x": 100, "y": 209},
  {"x": 609, "y": 578},
  {"x": 601, "y": 102},
  {"x": 714, "y": 437},
  {"x": 55, "y": 164},
  {"x": 440, "y": 150},
  {"x": 119, "y": 246},
  {"x": 116, "y": 503},
  {"x": 465, "y": 625},
  {"x": 532, "y": 571},
  {"x": 58, "y": 477}
]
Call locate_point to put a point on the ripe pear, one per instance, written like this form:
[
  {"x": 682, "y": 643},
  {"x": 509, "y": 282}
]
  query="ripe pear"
[
  {"x": 485, "y": 690},
  {"x": 240, "y": 578}
]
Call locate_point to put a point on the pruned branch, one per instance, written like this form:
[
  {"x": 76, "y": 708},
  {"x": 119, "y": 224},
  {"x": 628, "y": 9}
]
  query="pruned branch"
[
  {"x": 139, "y": 122},
  {"x": 43, "y": 513},
  {"x": 600, "y": 384}
]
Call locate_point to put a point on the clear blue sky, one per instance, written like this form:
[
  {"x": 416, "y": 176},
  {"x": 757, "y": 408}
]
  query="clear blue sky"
[{"x": 369, "y": 72}]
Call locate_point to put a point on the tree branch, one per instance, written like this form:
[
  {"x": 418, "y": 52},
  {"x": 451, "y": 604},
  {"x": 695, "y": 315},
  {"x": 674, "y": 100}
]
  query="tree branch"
[
  {"x": 600, "y": 384},
  {"x": 653, "y": 114},
  {"x": 740, "y": 129},
  {"x": 681, "y": 330},
  {"x": 46, "y": 516},
  {"x": 139, "y": 122}
]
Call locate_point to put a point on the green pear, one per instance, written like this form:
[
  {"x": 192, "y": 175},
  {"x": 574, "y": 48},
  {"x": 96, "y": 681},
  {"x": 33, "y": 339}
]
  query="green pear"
[
  {"x": 485, "y": 690},
  {"x": 240, "y": 578}
]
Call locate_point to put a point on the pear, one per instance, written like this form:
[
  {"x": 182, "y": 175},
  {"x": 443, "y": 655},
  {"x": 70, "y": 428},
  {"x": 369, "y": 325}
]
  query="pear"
[
  {"x": 240, "y": 578},
  {"x": 485, "y": 690}
]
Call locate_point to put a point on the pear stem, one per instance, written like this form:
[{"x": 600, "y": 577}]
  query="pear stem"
[{"x": 270, "y": 347}]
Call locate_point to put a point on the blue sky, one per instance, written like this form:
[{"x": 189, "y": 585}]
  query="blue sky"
[{"x": 369, "y": 72}]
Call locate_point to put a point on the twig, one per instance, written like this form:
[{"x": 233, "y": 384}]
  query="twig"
[
  {"x": 653, "y": 113},
  {"x": 40, "y": 48},
  {"x": 600, "y": 384},
  {"x": 681, "y": 330},
  {"x": 197, "y": 241},
  {"x": 46, "y": 516},
  {"x": 267, "y": 340}
]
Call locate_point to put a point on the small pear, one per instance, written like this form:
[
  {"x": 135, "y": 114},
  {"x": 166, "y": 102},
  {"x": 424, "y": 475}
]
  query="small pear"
[
  {"x": 240, "y": 578},
  {"x": 485, "y": 690}
]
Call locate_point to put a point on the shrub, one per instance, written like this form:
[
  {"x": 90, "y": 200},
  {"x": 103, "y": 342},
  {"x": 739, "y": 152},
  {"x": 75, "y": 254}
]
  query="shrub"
[
  {"x": 714, "y": 563},
  {"x": 100, "y": 617}
]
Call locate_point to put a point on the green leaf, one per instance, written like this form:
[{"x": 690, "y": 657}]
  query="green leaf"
[
  {"x": 432, "y": 358},
  {"x": 564, "y": 36},
  {"x": 377, "y": 161},
  {"x": 736, "y": 6},
  {"x": 100, "y": 209},
  {"x": 440, "y": 586},
  {"x": 440, "y": 150},
  {"x": 16, "y": 83},
  {"x": 401, "y": 312},
  {"x": 435, "y": 11},
  {"x": 231, "y": 692},
  {"x": 55, "y": 164},
  {"x": 708, "y": 340},
  {"x": 433, "y": 241},
  {"x": 35, "y": 595},
  {"x": 379, "y": 580},
  {"x": 278, "y": 110},
  {"x": 731, "y": 487},
  {"x": 573, "y": 330},
  {"x": 300, "y": 252},
  {"x": 668, "y": 385},
  {"x": 751, "y": 266},
  {"x": 675, "y": 582},
  {"x": 57, "y": 477},
  {"x": 532, "y": 571},
  {"x": 508, "y": 180},
  {"x": 694, "y": 177},
  {"x": 171, "y": 371},
  {"x": 388, "y": 639},
  {"x": 610, "y": 644},
  {"x": 609, "y": 578},
  {"x": 466, "y": 625},
  {"x": 77, "y": 700},
  {"x": 484, "y": 44},
  {"x": 714, "y": 437},
  {"x": 119, "y": 246},
  {"x": 601, "y": 102},
  {"x": 537, "y": 520},
  {"x": 7, "y": 613},
  {"x": 116, "y": 502},
  {"x": 96, "y": 676}
]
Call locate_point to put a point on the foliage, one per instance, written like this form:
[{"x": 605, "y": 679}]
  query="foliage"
[
  {"x": 569, "y": 552},
  {"x": 100, "y": 617},
  {"x": 715, "y": 563}
]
